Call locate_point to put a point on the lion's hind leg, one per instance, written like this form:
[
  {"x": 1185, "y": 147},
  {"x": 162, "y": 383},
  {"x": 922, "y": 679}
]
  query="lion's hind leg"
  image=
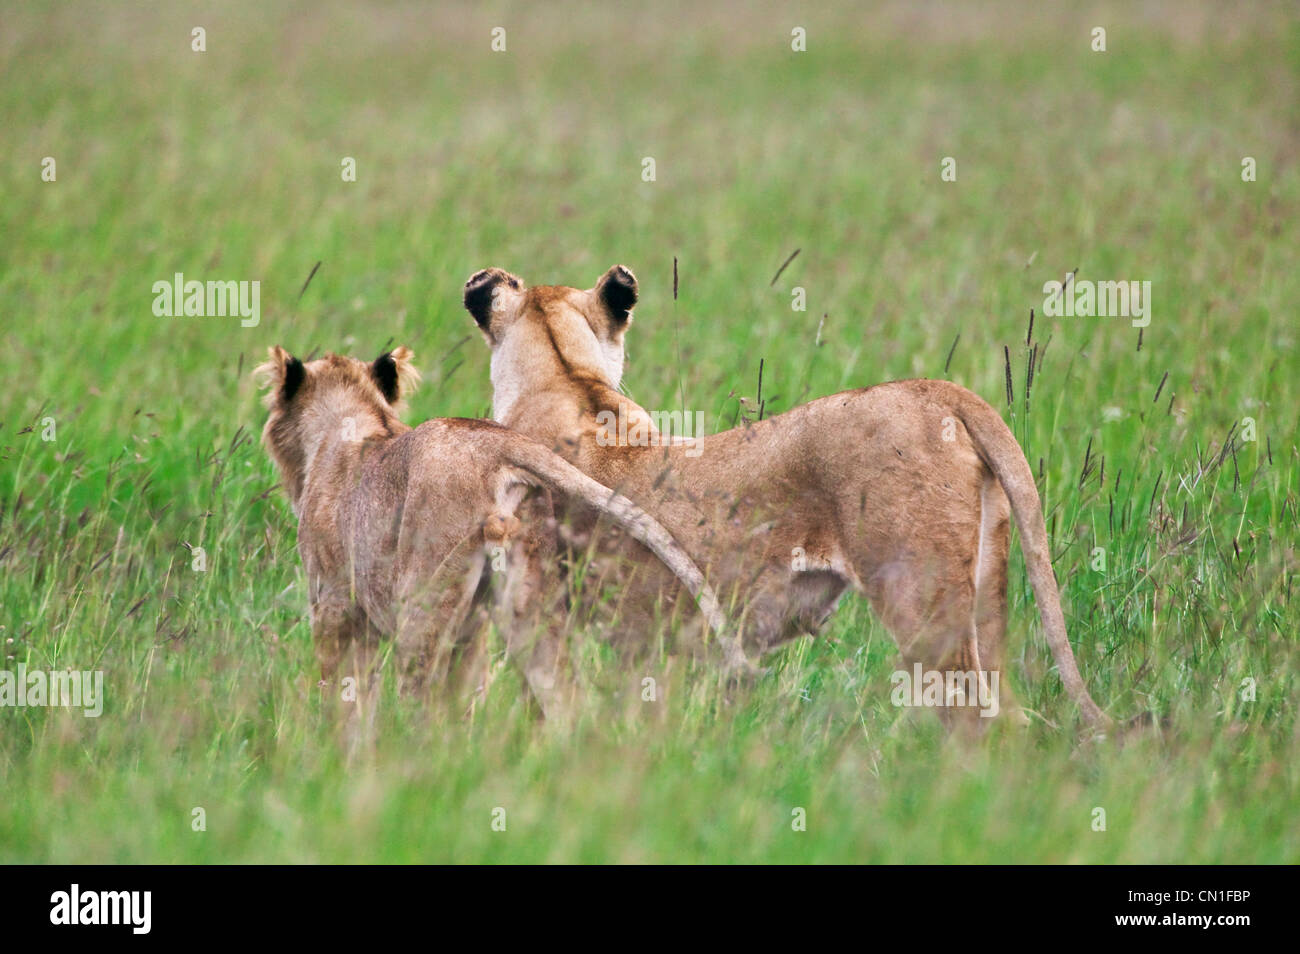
[
  {"x": 991, "y": 595},
  {"x": 432, "y": 616},
  {"x": 929, "y": 610}
]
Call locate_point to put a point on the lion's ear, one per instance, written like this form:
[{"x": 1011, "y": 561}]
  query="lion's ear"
[
  {"x": 282, "y": 373},
  {"x": 618, "y": 292},
  {"x": 490, "y": 292},
  {"x": 394, "y": 374}
]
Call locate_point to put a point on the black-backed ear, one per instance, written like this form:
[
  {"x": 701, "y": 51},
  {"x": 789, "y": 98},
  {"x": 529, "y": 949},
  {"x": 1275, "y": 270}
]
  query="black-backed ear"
[
  {"x": 617, "y": 290},
  {"x": 384, "y": 370},
  {"x": 393, "y": 374},
  {"x": 282, "y": 373},
  {"x": 481, "y": 289},
  {"x": 294, "y": 373}
]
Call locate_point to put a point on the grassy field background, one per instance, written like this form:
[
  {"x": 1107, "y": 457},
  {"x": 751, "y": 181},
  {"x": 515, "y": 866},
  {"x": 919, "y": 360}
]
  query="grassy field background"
[{"x": 226, "y": 165}]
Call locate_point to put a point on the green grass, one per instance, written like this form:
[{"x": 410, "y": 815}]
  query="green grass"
[{"x": 226, "y": 165}]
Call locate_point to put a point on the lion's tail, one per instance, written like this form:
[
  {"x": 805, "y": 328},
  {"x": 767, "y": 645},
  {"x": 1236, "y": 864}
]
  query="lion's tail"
[
  {"x": 1000, "y": 451},
  {"x": 560, "y": 475}
]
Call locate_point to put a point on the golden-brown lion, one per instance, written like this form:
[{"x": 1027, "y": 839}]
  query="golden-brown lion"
[
  {"x": 900, "y": 491},
  {"x": 397, "y": 525}
]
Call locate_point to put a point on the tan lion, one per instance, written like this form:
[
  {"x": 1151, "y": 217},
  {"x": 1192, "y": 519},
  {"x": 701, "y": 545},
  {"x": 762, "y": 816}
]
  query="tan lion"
[
  {"x": 397, "y": 525},
  {"x": 900, "y": 491}
]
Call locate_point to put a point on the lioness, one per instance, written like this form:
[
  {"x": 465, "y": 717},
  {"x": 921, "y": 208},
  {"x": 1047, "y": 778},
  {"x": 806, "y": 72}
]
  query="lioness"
[
  {"x": 901, "y": 491},
  {"x": 395, "y": 523}
]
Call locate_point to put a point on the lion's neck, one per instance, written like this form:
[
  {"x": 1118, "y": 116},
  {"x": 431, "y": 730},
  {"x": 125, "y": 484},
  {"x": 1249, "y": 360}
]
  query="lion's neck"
[{"x": 337, "y": 430}]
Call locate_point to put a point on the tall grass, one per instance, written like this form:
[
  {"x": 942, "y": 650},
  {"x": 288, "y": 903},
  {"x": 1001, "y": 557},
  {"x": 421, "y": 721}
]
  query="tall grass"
[{"x": 226, "y": 164}]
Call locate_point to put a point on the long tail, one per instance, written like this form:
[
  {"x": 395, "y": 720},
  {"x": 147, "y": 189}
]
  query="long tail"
[
  {"x": 1000, "y": 451},
  {"x": 560, "y": 475}
]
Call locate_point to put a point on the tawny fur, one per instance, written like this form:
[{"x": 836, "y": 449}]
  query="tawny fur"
[
  {"x": 397, "y": 526},
  {"x": 858, "y": 490}
]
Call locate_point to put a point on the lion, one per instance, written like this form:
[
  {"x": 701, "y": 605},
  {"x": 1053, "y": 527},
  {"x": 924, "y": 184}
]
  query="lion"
[
  {"x": 396, "y": 525},
  {"x": 901, "y": 492}
]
